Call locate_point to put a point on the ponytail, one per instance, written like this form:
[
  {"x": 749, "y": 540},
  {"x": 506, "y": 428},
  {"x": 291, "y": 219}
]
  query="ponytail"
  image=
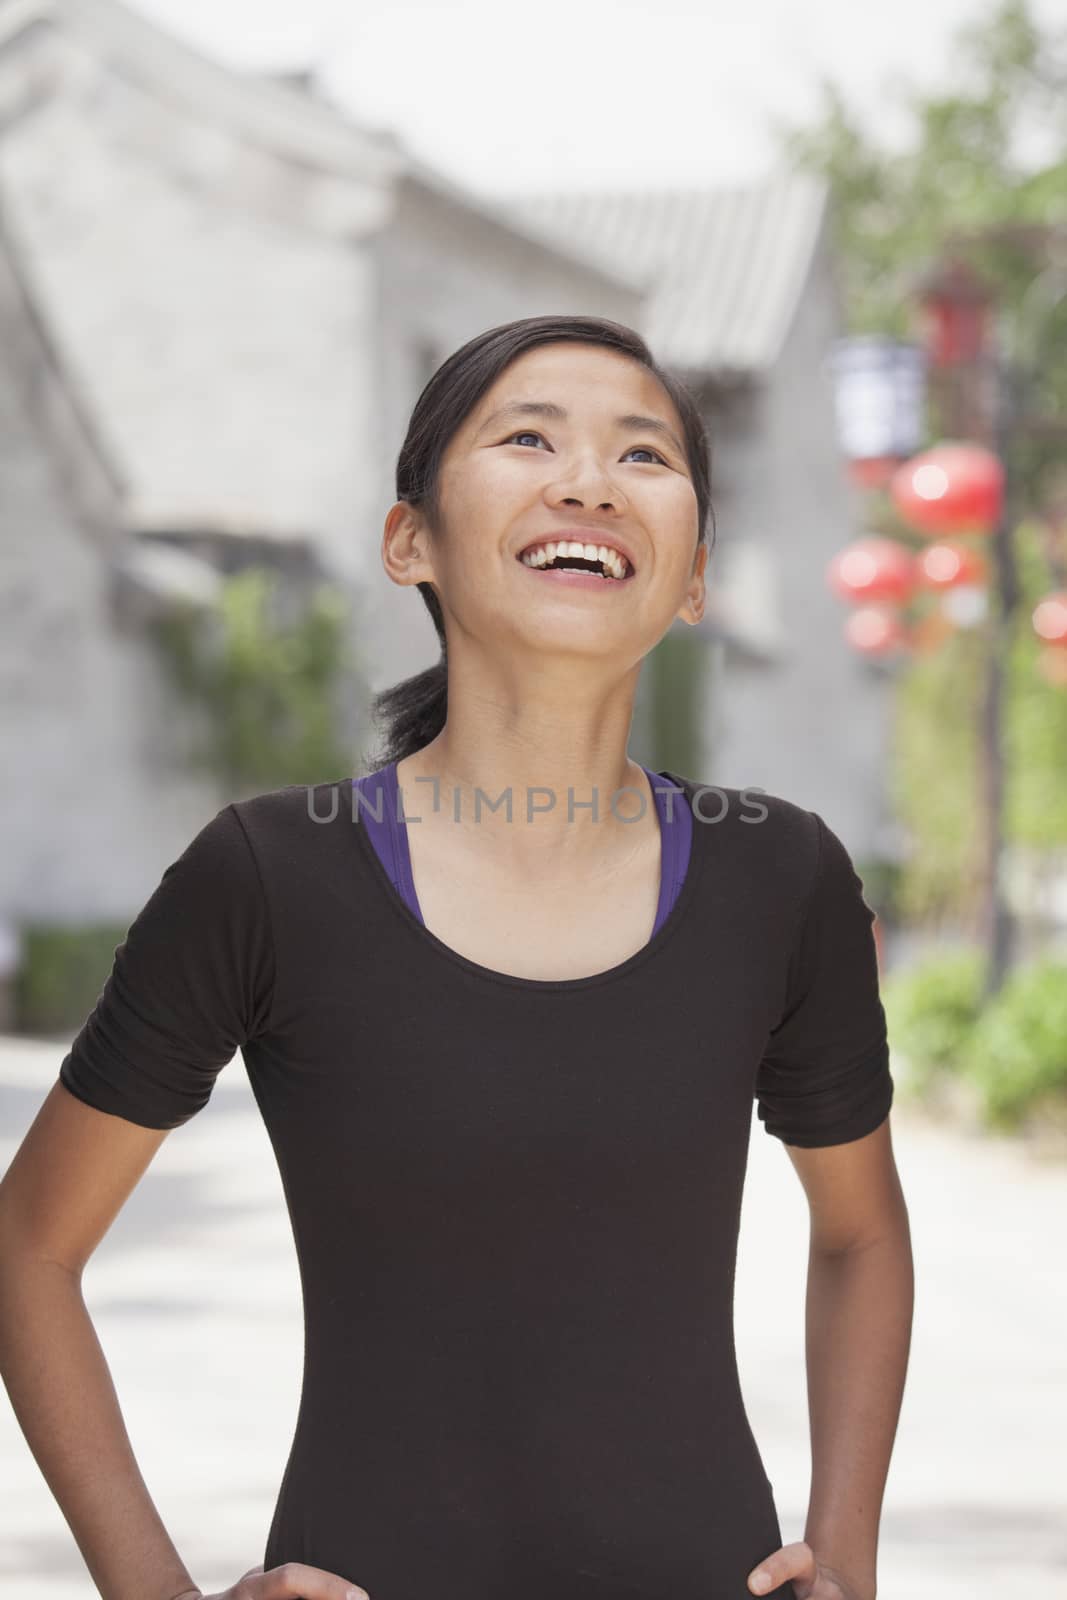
[{"x": 415, "y": 709}]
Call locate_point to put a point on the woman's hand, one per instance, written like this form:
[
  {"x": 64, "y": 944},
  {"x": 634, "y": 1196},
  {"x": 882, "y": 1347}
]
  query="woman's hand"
[
  {"x": 812, "y": 1579},
  {"x": 291, "y": 1581}
]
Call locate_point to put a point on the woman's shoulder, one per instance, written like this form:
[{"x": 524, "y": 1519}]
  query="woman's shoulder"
[
  {"x": 748, "y": 806},
  {"x": 296, "y": 817},
  {"x": 768, "y": 845}
]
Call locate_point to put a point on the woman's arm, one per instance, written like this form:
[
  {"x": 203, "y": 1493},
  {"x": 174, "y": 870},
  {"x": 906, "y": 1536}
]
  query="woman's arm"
[
  {"x": 69, "y": 1179},
  {"x": 859, "y": 1316}
]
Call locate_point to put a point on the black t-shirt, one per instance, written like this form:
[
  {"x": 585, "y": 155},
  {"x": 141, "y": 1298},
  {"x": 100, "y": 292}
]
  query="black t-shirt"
[{"x": 515, "y": 1203}]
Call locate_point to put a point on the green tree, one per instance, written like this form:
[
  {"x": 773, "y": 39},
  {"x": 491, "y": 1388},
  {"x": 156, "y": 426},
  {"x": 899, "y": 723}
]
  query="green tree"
[
  {"x": 986, "y": 152},
  {"x": 967, "y": 162}
]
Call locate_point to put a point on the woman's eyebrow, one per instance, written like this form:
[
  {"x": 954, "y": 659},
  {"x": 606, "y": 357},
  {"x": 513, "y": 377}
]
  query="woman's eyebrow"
[{"x": 556, "y": 413}]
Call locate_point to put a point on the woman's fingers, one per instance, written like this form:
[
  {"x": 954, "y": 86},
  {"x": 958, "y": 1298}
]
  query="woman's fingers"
[
  {"x": 295, "y": 1581},
  {"x": 791, "y": 1561}
]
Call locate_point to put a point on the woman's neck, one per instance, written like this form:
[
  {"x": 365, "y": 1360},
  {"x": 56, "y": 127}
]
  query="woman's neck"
[{"x": 504, "y": 800}]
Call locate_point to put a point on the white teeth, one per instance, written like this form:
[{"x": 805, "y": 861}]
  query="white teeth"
[{"x": 543, "y": 555}]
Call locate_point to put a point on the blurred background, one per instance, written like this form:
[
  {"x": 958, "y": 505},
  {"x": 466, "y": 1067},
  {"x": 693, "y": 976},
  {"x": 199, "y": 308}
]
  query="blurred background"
[{"x": 235, "y": 242}]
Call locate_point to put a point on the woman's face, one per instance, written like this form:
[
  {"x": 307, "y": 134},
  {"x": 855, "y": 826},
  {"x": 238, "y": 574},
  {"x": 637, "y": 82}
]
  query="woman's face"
[{"x": 585, "y": 471}]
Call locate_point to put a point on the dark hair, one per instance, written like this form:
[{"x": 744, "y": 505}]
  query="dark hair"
[{"x": 415, "y": 709}]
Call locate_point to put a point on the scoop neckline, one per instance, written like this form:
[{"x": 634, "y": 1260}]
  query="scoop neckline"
[{"x": 648, "y": 951}]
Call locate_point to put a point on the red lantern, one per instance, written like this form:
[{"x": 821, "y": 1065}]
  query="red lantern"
[
  {"x": 949, "y": 565},
  {"x": 953, "y": 488},
  {"x": 954, "y": 333},
  {"x": 875, "y": 630},
  {"x": 872, "y": 569},
  {"x": 1050, "y": 619},
  {"x": 955, "y": 301}
]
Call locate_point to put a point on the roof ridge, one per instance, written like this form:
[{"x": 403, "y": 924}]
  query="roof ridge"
[
  {"x": 266, "y": 109},
  {"x": 59, "y": 407}
]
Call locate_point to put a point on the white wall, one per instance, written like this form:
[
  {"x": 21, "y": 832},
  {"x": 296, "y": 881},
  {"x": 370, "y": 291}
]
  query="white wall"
[{"x": 93, "y": 804}]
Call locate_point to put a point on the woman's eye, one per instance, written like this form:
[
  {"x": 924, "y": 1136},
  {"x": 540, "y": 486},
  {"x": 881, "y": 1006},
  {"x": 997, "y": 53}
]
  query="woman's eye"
[{"x": 529, "y": 433}]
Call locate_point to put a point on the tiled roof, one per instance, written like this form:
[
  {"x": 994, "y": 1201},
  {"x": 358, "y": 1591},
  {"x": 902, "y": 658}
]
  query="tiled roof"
[{"x": 723, "y": 267}]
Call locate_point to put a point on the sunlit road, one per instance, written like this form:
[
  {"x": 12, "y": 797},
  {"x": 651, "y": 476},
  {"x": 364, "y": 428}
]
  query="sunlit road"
[{"x": 196, "y": 1298}]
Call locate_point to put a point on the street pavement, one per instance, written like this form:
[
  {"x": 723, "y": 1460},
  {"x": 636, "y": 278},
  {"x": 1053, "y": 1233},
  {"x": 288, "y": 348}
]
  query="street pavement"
[{"x": 195, "y": 1295}]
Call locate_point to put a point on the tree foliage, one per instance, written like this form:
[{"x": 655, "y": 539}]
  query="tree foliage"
[
  {"x": 986, "y": 152},
  {"x": 971, "y": 158},
  {"x": 269, "y": 688}
]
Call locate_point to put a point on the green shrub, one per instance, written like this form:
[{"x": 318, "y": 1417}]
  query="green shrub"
[
  {"x": 61, "y": 974},
  {"x": 270, "y": 691},
  {"x": 931, "y": 1010},
  {"x": 1017, "y": 1055}
]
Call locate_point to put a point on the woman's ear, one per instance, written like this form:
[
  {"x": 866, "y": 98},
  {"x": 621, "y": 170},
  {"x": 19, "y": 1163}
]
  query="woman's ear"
[
  {"x": 692, "y": 608},
  {"x": 405, "y": 545}
]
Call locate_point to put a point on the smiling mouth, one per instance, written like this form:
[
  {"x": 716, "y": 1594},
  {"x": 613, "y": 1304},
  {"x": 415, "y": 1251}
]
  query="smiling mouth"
[{"x": 576, "y": 564}]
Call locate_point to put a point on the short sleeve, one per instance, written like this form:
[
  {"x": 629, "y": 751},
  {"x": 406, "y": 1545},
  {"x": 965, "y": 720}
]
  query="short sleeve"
[
  {"x": 824, "y": 1078},
  {"x": 190, "y": 984}
]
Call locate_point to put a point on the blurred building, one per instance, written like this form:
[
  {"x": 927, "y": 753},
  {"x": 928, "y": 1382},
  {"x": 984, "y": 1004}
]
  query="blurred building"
[
  {"x": 219, "y": 299},
  {"x": 64, "y": 674},
  {"x": 232, "y": 295}
]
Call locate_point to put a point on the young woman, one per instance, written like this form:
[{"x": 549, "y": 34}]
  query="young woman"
[{"x": 505, "y": 1001}]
